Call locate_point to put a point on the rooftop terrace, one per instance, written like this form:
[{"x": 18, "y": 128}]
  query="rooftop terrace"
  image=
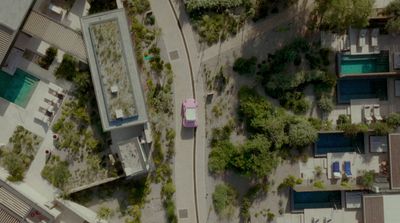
[{"x": 114, "y": 70}]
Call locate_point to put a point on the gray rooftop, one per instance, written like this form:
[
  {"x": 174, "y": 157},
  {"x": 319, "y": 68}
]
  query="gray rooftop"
[
  {"x": 132, "y": 157},
  {"x": 12, "y": 12},
  {"x": 114, "y": 71}
]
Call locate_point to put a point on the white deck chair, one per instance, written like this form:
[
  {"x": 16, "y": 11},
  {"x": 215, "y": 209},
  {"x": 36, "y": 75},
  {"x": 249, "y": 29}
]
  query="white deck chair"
[
  {"x": 361, "y": 37},
  {"x": 367, "y": 114},
  {"x": 56, "y": 88},
  {"x": 42, "y": 117},
  {"x": 377, "y": 113},
  {"x": 54, "y": 99},
  {"x": 374, "y": 37},
  {"x": 46, "y": 106}
]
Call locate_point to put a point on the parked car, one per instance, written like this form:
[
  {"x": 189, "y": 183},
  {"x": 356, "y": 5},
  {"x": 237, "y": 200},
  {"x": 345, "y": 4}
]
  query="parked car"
[{"x": 189, "y": 107}]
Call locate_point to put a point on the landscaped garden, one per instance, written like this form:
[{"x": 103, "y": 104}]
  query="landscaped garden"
[
  {"x": 216, "y": 20},
  {"x": 18, "y": 154}
]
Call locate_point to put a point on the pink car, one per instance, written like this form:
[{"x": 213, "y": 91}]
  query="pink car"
[{"x": 189, "y": 107}]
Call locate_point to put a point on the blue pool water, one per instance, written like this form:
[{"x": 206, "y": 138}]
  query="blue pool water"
[
  {"x": 318, "y": 199},
  {"x": 338, "y": 143},
  {"x": 361, "y": 64},
  {"x": 361, "y": 88},
  {"x": 17, "y": 88}
]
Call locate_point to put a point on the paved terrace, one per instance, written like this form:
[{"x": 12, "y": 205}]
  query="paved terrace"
[
  {"x": 322, "y": 215},
  {"x": 114, "y": 71}
]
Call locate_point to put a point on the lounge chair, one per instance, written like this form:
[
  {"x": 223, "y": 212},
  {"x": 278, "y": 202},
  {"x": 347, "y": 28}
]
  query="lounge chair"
[
  {"x": 42, "y": 117},
  {"x": 361, "y": 37},
  {"x": 54, "y": 99},
  {"x": 46, "y": 106},
  {"x": 347, "y": 169},
  {"x": 377, "y": 113},
  {"x": 374, "y": 37},
  {"x": 367, "y": 114},
  {"x": 336, "y": 170}
]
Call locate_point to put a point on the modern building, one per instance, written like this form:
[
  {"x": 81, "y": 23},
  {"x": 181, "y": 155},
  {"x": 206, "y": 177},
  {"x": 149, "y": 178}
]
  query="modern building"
[
  {"x": 12, "y": 16},
  {"x": 118, "y": 88},
  {"x": 114, "y": 71}
]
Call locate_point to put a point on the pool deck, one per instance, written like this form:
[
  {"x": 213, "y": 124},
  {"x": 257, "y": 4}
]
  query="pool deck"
[{"x": 342, "y": 216}]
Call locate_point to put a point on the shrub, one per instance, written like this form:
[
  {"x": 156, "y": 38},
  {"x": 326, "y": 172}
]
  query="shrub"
[
  {"x": 168, "y": 190},
  {"x": 319, "y": 184},
  {"x": 289, "y": 182},
  {"x": 138, "y": 6},
  {"x": 325, "y": 103},
  {"x": 47, "y": 60},
  {"x": 245, "y": 66},
  {"x": 245, "y": 210},
  {"x": 301, "y": 134},
  {"x": 343, "y": 120},
  {"x": 270, "y": 216},
  {"x": 67, "y": 68},
  {"x": 381, "y": 128},
  {"x": 56, "y": 172},
  {"x": 220, "y": 156},
  {"x": 224, "y": 198},
  {"x": 201, "y": 5},
  {"x": 15, "y": 165},
  {"x": 393, "y": 120},
  {"x": 368, "y": 178},
  {"x": 104, "y": 213},
  {"x": 353, "y": 130}
]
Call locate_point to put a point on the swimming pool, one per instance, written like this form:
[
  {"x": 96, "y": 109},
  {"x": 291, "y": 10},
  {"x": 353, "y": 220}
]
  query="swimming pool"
[
  {"x": 337, "y": 142},
  {"x": 361, "y": 88},
  {"x": 17, "y": 88},
  {"x": 317, "y": 199},
  {"x": 361, "y": 64}
]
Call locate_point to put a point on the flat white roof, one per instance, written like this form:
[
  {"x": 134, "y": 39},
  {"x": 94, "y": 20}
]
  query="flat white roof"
[
  {"x": 12, "y": 12},
  {"x": 132, "y": 157}
]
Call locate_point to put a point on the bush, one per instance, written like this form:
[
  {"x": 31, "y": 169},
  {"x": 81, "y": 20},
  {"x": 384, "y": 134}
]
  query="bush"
[
  {"x": 104, "y": 213},
  {"x": 56, "y": 172},
  {"x": 381, "y": 128},
  {"x": 218, "y": 5},
  {"x": 325, "y": 103},
  {"x": 393, "y": 120},
  {"x": 295, "y": 101},
  {"x": 245, "y": 210},
  {"x": 343, "y": 120},
  {"x": 245, "y": 66},
  {"x": 289, "y": 182},
  {"x": 224, "y": 198},
  {"x": 368, "y": 178},
  {"x": 15, "y": 165},
  {"x": 138, "y": 6},
  {"x": 352, "y": 130},
  {"x": 319, "y": 184},
  {"x": 47, "y": 60},
  {"x": 302, "y": 134},
  {"x": 220, "y": 156},
  {"x": 67, "y": 68}
]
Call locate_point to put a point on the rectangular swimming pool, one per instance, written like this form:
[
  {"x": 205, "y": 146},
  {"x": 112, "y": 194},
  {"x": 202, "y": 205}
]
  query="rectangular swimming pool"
[
  {"x": 317, "y": 199},
  {"x": 361, "y": 88},
  {"x": 337, "y": 142},
  {"x": 17, "y": 88},
  {"x": 361, "y": 64}
]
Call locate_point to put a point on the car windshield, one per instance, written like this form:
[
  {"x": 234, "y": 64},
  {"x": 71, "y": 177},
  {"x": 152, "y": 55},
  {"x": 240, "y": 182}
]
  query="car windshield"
[{"x": 190, "y": 114}]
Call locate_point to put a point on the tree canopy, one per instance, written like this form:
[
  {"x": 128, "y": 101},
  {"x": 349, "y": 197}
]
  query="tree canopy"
[
  {"x": 339, "y": 15},
  {"x": 393, "y": 10},
  {"x": 302, "y": 134}
]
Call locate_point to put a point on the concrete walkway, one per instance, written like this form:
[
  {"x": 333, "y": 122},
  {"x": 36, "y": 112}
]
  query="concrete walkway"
[{"x": 184, "y": 142}]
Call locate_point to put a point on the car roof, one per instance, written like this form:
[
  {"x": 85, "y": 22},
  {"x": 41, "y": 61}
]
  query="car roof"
[{"x": 190, "y": 114}]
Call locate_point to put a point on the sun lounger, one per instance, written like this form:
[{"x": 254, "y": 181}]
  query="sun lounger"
[
  {"x": 54, "y": 99},
  {"x": 361, "y": 37},
  {"x": 46, "y": 106},
  {"x": 374, "y": 37},
  {"x": 367, "y": 114},
  {"x": 347, "y": 169},
  {"x": 377, "y": 113},
  {"x": 336, "y": 170},
  {"x": 42, "y": 117}
]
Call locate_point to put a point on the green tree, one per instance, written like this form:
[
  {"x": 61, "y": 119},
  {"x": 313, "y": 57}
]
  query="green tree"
[
  {"x": 393, "y": 10},
  {"x": 381, "y": 128},
  {"x": 46, "y": 61},
  {"x": 220, "y": 156},
  {"x": 393, "y": 120},
  {"x": 245, "y": 66},
  {"x": 67, "y": 68},
  {"x": 302, "y": 133},
  {"x": 339, "y": 15},
  {"x": 224, "y": 198},
  {"x": 351, "y": 130},
  {"x": 325, "y": 103},
  {"x": 255, "y": 158},
  {"x": 56, "y": 172}
]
